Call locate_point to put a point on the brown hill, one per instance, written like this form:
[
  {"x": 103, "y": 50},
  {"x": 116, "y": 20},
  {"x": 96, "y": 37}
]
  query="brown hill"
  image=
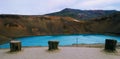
[
  {"x": 17, "y": 26},
  {"x": 12, "y": 26}
]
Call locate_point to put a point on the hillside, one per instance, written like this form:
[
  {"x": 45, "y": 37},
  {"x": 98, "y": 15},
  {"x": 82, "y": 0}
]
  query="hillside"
[
  {"x": 83, "y": 14},
  {"x": 110, "y": 23},
  {"x": 12, "y": 26},
  {"x": 19, "y": 25}
]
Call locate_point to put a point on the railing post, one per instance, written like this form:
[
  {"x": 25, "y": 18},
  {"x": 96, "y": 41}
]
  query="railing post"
[
  {"x": 53, "y": 45},
  {"x": 15, "y": 46},
  {"x": 110, "y": 44}
]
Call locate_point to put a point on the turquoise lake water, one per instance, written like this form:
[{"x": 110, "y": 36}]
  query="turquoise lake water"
[{"x": 63, "y": 40}]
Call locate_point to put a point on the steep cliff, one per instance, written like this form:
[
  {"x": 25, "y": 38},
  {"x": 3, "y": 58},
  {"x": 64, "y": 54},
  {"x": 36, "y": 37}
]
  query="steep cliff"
[{"x": 17, "y": 26}]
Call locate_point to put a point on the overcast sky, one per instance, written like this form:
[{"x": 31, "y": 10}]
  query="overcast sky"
[{"x": 39, "y": 7}]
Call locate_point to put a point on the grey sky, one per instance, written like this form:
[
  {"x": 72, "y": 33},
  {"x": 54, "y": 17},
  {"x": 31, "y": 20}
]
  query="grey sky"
[{"x": 38, "y": 7}]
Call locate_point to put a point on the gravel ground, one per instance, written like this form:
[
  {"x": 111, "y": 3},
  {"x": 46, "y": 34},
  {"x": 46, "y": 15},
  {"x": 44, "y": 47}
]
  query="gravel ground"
[{"x": 62, "y": 53}]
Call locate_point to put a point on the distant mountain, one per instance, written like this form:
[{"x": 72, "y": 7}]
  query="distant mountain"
[{"x": 83, "y": 14}]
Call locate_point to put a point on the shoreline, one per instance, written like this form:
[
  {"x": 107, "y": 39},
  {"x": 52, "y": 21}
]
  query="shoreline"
[
  {"x": 99, "y": 45},
  {"x": 67, "y": 35}
]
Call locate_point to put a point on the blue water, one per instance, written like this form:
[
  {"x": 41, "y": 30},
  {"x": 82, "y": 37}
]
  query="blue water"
[{"x": 63, "y": 39}]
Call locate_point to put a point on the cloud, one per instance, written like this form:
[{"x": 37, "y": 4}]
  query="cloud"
[
  {"x": 49, "y": 6},
  {"x": 33, "y": 6},
  {"x": 96, "y": 4}
]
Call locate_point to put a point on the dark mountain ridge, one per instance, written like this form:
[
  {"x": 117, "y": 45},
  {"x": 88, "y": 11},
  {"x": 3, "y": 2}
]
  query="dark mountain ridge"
[{"x": 83, "y": 14}]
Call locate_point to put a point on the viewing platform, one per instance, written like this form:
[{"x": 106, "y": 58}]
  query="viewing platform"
[{"x": 62, "y": 53}]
